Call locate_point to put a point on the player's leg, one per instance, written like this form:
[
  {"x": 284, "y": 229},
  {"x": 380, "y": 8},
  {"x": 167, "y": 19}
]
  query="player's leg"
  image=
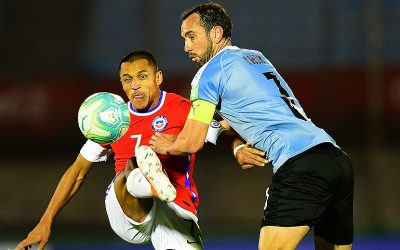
[
  {"x": 134, "y": 207},
  {"x": 283, "y": 225},
  {"x": 135, "y": 190},
  {"x": 143, "y": 178},
  {"x": 130, "y": 218},
  {"x": 284, "y": 238},
  {"x": 300, "y": 192},
  {"x": 151, "y": 167},
  {"x": 321, "y": 244},
  {"x": 174, "y": 229},
  {"x": 335, "y": 229}
]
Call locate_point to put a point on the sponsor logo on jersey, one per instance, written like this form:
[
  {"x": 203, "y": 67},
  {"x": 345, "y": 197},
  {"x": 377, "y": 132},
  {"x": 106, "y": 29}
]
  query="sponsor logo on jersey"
[{"x": 159, "y": 123}]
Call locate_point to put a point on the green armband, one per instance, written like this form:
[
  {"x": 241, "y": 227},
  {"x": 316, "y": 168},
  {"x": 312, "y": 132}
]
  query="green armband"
[{"x": 202, "y": 111}]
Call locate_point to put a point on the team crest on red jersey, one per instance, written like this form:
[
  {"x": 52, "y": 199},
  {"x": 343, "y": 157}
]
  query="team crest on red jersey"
[{"x": 159, "y": 123}]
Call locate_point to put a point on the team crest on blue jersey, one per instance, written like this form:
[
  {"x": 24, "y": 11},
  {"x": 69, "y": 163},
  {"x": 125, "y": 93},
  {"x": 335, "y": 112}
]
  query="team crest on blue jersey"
[{"x": 159, "y": 123}]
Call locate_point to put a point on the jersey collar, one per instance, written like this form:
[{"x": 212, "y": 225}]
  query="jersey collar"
[
  {"x": 150, "y": 111},
  {"x": 225, "y": 48},
  {"x": 200, "y": 71},
  {"x": 219, "y": 52}
]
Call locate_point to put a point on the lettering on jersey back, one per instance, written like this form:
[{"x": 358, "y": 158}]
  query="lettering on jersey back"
[{"x": 254, "y": 59}]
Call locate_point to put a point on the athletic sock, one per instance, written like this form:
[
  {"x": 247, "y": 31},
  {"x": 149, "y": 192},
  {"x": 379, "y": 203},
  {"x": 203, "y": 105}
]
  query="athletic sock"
[{"x": 138, "y": 186}]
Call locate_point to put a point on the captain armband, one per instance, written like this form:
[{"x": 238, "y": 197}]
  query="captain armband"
[
  {"x": 214, "y": 130},
  {"x": 202, "y": 111}
]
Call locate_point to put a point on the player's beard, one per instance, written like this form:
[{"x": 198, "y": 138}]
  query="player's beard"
[{"x": 207, "y": 55}]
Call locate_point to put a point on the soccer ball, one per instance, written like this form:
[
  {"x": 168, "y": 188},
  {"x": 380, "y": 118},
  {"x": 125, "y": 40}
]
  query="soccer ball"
[{"x": 103, "y": 117}]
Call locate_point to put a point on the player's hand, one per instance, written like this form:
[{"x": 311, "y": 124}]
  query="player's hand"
[
  {"x": 40, "y": 234},
  {"x": 159, "y": 142},
  {"x": 249, "y": 157}
]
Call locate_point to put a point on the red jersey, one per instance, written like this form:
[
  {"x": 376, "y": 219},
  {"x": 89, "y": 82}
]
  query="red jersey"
[{"x": 169, "y": 117}]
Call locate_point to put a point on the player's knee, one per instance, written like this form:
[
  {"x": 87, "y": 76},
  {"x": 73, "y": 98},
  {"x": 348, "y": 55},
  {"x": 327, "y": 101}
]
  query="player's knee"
[{"x": 130, "y": 165}]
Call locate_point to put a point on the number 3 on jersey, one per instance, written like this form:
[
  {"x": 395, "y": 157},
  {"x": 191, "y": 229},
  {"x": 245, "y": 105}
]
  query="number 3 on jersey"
[{"x": 138, "y": 138}]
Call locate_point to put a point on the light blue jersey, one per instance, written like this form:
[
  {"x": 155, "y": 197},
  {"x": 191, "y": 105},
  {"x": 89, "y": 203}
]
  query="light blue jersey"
[{"x": 255, "y": 100}]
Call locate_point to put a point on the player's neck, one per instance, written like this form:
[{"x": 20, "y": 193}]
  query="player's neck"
[
  {"x": 221, "y": 45},
  {"x": 156, "y": 100}
]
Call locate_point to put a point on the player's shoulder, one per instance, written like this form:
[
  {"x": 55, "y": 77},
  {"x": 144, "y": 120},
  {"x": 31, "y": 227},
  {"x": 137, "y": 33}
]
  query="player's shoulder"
[
  {"x": 175, "y": 99},
  {"x": 232, "y": 56},
  {"x": 177, "y": 104}
]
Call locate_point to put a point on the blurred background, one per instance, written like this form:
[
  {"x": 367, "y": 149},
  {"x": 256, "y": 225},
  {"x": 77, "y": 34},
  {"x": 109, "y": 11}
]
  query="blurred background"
[{"x": 341, "y": 59}]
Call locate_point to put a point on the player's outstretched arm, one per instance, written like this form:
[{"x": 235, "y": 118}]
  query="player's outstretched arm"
[{"x": 67, "y": 187}]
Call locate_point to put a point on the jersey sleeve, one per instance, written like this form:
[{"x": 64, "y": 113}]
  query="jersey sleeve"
[
  {"x": 94, "y": 152},
  {"x": 206, "y": 83}
]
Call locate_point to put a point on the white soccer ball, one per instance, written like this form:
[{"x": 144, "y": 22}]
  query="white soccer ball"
[{"x": 103, "y": 117}]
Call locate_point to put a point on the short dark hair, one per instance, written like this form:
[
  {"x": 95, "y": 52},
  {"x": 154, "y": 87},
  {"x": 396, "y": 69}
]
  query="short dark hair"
[
  {"x": 211, "y": 15},
  {"x": 137, "y": 55}
]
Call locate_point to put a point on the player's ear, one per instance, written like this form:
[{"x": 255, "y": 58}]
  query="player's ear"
[
  {"x": 159, "y": 77},
  {"x": 216, "y": 34}
]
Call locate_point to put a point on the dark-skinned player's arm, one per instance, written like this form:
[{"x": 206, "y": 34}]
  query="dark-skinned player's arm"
[{"x": 67, "y": 187}]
